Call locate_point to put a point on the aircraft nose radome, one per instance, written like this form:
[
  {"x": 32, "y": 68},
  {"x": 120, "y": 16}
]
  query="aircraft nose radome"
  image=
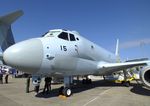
[{"x": 26, "y": 56}]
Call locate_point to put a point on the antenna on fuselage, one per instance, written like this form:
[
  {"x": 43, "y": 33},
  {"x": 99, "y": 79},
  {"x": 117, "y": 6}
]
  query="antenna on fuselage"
[
  {"x": 117, "y": 48},
  {"x": 117, "y": 51}
]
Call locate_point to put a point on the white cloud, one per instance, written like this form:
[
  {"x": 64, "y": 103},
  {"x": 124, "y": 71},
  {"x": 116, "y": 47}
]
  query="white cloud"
[{"x": 136, "y": 43}]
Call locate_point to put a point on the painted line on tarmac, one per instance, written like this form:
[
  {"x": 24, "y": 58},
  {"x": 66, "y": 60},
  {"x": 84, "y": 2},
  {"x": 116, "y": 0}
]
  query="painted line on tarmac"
[{"x": 100, "y": 94}]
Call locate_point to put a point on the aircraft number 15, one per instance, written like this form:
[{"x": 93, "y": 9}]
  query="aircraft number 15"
[{"x": 63, "y": 48}]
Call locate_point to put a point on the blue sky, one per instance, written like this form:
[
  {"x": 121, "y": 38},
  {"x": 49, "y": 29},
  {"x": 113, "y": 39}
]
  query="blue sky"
[{"x": 101, "y": 21}]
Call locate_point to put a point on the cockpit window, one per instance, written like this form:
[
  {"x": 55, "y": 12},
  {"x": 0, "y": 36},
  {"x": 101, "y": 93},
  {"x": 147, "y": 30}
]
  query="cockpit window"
[
  {"x": 63, "y": 35},
  {"x": 54, "y": 33},
  {"x": 72, "y": 38},
  {"x": 51, "y": 33}
]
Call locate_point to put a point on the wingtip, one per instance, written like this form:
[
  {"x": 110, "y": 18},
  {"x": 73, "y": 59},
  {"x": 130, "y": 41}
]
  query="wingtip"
[
  {"x": 20, "y": 11},
  {"x": 11, "y": 17}
]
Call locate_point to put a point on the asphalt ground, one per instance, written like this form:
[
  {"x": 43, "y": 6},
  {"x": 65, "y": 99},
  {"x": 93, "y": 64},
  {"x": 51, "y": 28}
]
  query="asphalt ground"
[{"x": 99, "y": 93}]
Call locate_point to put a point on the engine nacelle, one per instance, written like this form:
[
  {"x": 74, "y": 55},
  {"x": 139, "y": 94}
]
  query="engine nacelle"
[{"x": 145, "y": 76}]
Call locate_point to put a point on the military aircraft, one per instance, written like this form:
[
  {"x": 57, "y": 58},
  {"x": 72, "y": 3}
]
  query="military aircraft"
[{"x": 61, "y": 52}]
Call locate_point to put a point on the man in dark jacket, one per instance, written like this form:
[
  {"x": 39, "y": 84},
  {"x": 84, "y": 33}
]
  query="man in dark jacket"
[
  {"x": 1, "y": 77},
  {"x": 6, "y": 78},
  {"x": 47, "y": 86}
]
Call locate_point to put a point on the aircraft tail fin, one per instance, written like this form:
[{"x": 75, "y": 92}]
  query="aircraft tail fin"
[
  {"x": 117, "y": 51},
  {"x": 6, "y": 35}
]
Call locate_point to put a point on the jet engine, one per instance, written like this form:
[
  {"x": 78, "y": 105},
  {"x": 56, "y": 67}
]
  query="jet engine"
[{"x": 145, "y": 76}]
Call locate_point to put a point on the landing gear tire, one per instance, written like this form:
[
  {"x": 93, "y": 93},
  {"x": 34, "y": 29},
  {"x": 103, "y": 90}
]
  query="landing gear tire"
[
  {"x": 89, "y": 81},
  {"x": 67, "y": 92},
  {"x": 122, "y": 82},
  {"x": 86, "y": 81},
  {"x": 126, "y": 83},
  {"x": 83, "y": 81}
]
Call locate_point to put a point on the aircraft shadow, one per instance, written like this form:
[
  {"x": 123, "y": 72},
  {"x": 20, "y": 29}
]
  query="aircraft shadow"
[
  {"x": 52, "y": 93},
  {"x": 79, "y": 88},
  {"x": 139, "y": 89}
]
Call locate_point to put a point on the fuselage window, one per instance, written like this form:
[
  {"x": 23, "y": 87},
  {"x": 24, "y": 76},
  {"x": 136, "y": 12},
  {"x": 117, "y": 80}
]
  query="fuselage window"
[
  {"x": 63, "y": 35},
  {"x": 72, "y": 38}
]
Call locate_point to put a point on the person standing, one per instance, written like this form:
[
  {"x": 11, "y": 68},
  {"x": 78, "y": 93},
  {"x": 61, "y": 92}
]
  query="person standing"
[
  {"x": 47, "y": 86},
  {"x": 1, "y": 77},
  {"x": 28, "y": 84},
  {"x": 6, "y": 78},
  {"x": 49, "y": 83}
]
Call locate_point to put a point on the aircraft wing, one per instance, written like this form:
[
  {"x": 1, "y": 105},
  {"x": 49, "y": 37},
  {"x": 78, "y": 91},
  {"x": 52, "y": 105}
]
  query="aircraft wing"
[{"x": 109, "y": 68}]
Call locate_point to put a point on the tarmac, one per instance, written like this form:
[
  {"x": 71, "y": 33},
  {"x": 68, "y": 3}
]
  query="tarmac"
[{"x": 99, "y": 93}]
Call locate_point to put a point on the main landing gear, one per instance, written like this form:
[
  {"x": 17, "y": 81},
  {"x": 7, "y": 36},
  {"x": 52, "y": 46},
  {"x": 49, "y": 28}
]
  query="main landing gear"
[
  {"x": 86, "y": 81},
  {"x": 126, "y": 82}
]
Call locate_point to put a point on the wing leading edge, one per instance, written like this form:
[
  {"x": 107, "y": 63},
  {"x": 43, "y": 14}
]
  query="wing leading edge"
[{"x": 109, "y": 68}]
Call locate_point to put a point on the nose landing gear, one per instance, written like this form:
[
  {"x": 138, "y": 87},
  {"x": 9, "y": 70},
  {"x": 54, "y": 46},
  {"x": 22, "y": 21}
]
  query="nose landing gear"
[{"x": 66, "y": 89}]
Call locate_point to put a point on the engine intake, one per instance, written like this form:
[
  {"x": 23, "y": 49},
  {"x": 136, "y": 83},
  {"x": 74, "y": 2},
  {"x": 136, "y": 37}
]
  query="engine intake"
[{"x": 145, "y": 76}]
